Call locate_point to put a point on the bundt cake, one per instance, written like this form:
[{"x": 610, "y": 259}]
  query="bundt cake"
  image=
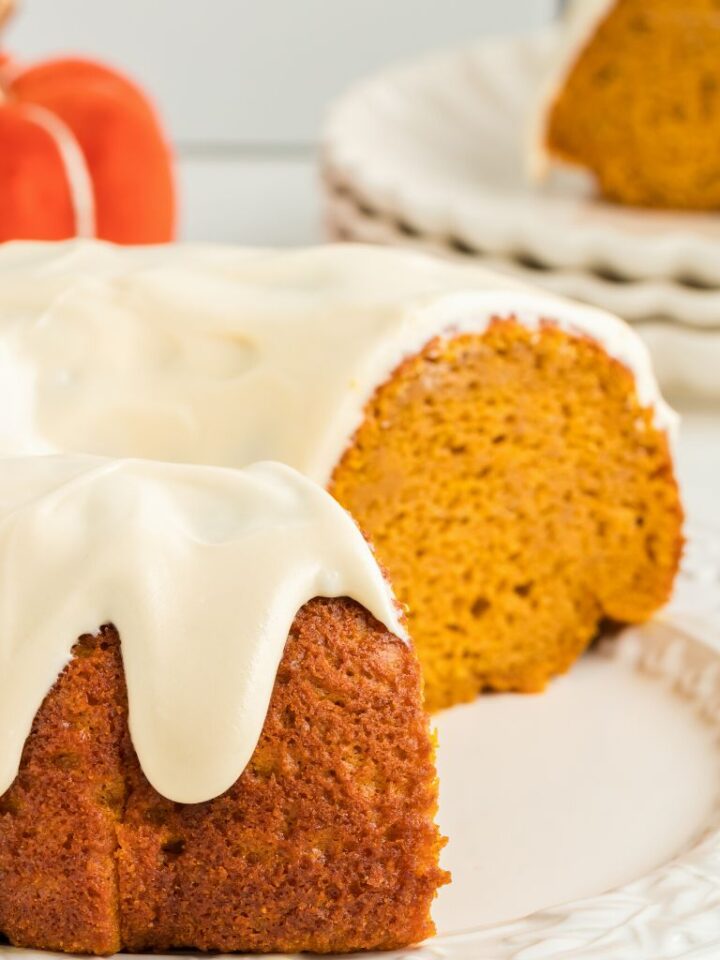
[
  {"x": 505, "y": 451},
  {"x": 204, "y": 742},
  {"x": 634, "y": 98}
]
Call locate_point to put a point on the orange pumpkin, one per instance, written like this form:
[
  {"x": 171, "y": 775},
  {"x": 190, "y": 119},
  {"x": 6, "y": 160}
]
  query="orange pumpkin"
[{"x": 82, "y": 153}]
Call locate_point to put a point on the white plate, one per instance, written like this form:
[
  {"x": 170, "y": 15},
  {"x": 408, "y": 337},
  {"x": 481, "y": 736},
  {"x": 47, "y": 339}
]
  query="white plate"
[
  {"x": 681, "y": 325},
  {"x": 441, "y": 143},
  {"x": 602, "y": 795},
  {"x": 634, "y": 300}
]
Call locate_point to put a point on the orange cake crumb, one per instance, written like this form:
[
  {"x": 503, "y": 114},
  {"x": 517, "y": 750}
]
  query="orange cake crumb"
[
  {"x": 640, "y": 107},
  {"x": 518, "y": 495}
]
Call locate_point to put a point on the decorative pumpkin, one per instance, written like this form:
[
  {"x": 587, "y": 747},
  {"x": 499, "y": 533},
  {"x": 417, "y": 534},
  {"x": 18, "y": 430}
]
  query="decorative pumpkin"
[{"x": 82, "y": 153}]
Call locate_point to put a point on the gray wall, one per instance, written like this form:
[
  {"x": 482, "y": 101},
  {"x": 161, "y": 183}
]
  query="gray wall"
[{"x": 257, "y": 71}]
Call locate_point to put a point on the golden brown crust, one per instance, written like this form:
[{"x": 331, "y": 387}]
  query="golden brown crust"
[
  {"x": 58, "y": 886},
  {"x": 325, "y": 843},
  {"x": 517, "y": 494},
  {"x": 641, "y": 106}
]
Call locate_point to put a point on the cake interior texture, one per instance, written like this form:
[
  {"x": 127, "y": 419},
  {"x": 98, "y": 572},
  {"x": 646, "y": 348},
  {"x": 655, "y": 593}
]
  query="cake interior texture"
[
  {"x": 641, "y": 105},
  {"x": 325, "y": 843},
  {"x": 518, "y": 495}
]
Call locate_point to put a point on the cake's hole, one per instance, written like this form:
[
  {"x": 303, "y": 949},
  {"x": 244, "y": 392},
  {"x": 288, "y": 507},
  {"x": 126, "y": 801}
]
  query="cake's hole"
[
  {"x": 113, "y": 796},
  {"x": 174, "y": 847},
  {"x": 9, "y": 806},
  {"x": 605, "y": 74},
  {"x": 395, "y": 832},
  {"x": 155, "y": 815},
  {"x": 639, "y": 23},
  {"x": 523, "y": 589},
  {"x": 480, "y": 606},
  {"x": 85, "y": 647},
  {"x": 65, "y": 761}
]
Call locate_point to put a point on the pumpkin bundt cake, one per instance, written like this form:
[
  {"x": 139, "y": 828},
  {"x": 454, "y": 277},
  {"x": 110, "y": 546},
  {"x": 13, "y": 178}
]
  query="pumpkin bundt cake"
[
  {"x": 505, "y": 451},
  {"x": 233, "y": 755},
  {"x": 635, "y": 99}
]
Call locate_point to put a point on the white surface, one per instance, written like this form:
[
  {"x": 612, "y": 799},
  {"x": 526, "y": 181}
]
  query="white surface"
[
  {"x": 256, "y": 199},
  {"x": 248, "y": 71},
  {"x": 567, "y": 794},
  {"x": 441, "y": 144}
]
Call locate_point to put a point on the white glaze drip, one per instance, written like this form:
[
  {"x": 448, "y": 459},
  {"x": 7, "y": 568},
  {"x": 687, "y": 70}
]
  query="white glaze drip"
[
  {"x": 223, "y": 356},
  {"x": 201, "y": 569}
]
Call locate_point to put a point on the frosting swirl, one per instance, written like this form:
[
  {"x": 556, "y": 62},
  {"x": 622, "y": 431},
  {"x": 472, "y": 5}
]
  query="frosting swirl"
[{"x": 200, "y": 569}]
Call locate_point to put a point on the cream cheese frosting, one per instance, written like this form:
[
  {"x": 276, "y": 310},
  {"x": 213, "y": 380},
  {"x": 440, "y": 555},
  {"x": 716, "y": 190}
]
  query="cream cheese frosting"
[
  {"x": 200, "y": 569},
  {"x": 228, "y": 356},
  {"x": 115, "y": 360}
]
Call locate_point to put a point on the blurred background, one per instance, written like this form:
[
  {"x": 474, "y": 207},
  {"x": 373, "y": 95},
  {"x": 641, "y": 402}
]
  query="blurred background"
[{"x": 244, "y": 85}]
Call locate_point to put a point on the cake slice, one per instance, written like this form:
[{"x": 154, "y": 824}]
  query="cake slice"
[
  {"x": 519, "y": 494},
  {"x": 324, "y": 837},
  {"x": 634, "y": 99}
]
